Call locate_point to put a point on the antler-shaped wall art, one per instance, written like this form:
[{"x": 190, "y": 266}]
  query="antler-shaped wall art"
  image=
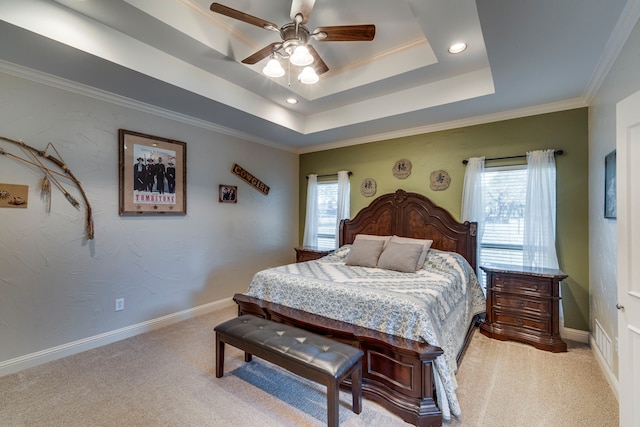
[{"x": 50, "y": 176}]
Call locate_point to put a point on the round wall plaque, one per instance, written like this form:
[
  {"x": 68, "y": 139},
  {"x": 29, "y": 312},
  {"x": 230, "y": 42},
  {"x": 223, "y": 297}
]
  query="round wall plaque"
[
  {"x": 402, "y": 169},
  {"x": 368, "y": 187},
  {"x": 440, "y": 180}
]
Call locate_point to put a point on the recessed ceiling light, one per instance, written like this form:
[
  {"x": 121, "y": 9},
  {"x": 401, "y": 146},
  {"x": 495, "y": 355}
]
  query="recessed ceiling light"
[
  {"x": 292, "y": 101},
  {"x": 457, "y": 47}
]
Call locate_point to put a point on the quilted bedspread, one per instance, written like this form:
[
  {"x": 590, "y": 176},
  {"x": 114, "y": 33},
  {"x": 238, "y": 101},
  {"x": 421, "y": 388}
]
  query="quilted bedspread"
[{"x": 435, "y": 304}]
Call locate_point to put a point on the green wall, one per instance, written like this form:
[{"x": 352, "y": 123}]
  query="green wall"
[{"x": 565, "y": 130}]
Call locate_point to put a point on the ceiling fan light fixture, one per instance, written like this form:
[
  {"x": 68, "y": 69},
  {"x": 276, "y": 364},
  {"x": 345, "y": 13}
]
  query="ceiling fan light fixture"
[
  {"x": 308, "y": 76},
  {"x": 301, "y": 56},
  {"x": 273, "y": 68}
]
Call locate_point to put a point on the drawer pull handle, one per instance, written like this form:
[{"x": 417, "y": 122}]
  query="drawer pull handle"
[
  {"x": 520, "y": 322},
  {"x": 535, "y": 288},
  {"x": 520, "y": 303}
]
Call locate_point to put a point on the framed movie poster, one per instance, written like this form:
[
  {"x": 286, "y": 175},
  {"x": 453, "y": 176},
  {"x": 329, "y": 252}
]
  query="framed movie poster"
[
  {"x": 153, "y": 175},
  {"x": 610, "y": 196}
]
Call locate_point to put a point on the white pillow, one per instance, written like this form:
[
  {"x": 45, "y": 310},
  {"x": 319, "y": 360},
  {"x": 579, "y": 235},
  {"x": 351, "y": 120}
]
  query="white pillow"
[{"x": 426, "y": 244}]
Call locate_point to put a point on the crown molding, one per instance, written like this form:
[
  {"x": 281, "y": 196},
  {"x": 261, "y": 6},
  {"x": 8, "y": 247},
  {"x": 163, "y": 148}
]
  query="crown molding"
[
  {"x": 123, "y": 101},
  {"x": 471, "y": 121},
  {"x": 625, "y": 25}
]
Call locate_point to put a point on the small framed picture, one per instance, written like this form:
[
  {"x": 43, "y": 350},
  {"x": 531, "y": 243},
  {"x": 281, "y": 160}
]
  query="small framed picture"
[
  {"x": 228, "y": 194},
  {"x": 610, "y": 206}
]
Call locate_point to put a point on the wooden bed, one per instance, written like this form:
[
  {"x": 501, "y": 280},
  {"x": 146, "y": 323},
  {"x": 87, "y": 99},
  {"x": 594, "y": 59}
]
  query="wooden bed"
[{"x": 397, "y": 372}]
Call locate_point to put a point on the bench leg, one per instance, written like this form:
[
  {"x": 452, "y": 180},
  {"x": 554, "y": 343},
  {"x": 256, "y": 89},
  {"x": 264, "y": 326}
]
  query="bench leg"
[
  {"x": 219, "y": 357},
  {"x": 356, "y": 389},
  {"x": 333, "y": 404},
  {"x": 247, "y": 357}
]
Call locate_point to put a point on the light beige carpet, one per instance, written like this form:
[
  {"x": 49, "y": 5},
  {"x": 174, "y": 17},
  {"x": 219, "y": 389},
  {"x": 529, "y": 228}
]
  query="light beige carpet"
[{"x": 167, "y": 378}]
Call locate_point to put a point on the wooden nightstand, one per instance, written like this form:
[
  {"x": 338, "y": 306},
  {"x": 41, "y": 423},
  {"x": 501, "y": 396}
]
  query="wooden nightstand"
[
  {"x": 523, "y": 305},
  {"x": 307, "y": 253}
]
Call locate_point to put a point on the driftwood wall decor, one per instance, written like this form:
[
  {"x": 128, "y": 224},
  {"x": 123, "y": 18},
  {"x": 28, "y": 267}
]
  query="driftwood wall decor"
[{"x": 34, "y": 155}]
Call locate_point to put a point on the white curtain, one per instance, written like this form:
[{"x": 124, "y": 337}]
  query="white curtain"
[
  {"x": 473, "y": 209},
  {"x": 539, "y": 249},
  {"x": 344, "y": 191},
  {"x": 311, "y": 222}
]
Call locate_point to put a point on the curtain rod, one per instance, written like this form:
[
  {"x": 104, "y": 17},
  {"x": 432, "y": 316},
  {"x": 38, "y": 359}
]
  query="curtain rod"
[
  {"x": 522, "y": 156},
  {"x": 330, "y": 174}
]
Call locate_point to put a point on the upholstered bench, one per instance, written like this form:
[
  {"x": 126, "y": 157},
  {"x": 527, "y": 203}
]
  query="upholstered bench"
[{"x": 308, "y": 355}]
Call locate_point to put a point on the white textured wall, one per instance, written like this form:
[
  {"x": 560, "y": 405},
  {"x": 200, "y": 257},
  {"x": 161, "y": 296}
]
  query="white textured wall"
[
  {"x": 56, "y": 287},
  {"x": 621, "y": 81}
]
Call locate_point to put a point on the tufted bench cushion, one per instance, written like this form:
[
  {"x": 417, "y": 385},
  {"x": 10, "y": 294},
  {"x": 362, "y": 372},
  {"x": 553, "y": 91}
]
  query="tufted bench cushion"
[{"x": 304, "y": 353}]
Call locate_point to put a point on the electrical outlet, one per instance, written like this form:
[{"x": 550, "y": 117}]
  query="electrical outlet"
[{"x": 119, "y": 304}]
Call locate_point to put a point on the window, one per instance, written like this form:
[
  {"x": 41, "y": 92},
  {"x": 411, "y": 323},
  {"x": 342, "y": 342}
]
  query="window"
[
  {"x": 327, "y": 214},
  {"x": 505, "y": 199},
  {"x": 515, "y": 208},
  {"x": 327, "y": 204}
]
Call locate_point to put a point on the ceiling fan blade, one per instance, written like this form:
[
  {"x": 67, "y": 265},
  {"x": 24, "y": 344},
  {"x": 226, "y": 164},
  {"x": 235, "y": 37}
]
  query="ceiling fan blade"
[
  {"x": 261, "y": 54},
  {"x": 241, "y": 16},
  {"x": 301, "y": 7},
  {"x": 318, "y": 63},
  {"x": 345, "y": 33}
]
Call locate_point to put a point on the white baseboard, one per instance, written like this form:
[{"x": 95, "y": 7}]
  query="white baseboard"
[
  {"x": 574, "y": 334},
  {"x": 34, "y": 359},
  {"x": 608, "y": 373}
]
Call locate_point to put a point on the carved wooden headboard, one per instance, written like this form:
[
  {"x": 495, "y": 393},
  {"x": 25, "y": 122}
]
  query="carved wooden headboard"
[{"x": 412, "y": 215}]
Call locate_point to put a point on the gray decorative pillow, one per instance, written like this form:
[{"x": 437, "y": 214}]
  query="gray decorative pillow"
[
  {"x": 372, "y": 237},
  {"x": 426, "y": 244},
  {"x": 365, "y": 253},
  {"x": 400, "y": 257}
]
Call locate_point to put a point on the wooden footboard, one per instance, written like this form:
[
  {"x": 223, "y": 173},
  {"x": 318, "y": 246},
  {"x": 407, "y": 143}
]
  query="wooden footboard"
[{"x": 397, "y": 373}]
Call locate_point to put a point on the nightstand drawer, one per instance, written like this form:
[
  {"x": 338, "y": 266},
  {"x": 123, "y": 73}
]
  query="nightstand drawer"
[
  {"x": 519, "y": 284},
  {"x": 540, "y": 325},
  {"x": 529, "y": 305}
]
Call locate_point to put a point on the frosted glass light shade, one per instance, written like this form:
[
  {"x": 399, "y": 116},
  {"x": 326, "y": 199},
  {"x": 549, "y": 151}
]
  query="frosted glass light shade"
[
  {"x": 308, "y": 76},
  {"x": 301, "y": 56},
  {"x": 457, "y": 47},
  {"x": 273, "y": 68}
]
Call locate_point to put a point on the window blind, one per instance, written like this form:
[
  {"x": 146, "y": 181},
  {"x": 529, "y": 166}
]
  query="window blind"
[{"x": 505, "y": 198}]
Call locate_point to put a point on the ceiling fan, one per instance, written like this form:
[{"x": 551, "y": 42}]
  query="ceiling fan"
[{"x": 295, "y": 36}]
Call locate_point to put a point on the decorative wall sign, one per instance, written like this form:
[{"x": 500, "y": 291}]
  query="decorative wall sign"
[
  {"x": 14, "y": 196},
  {"x": 402, "y": 169},
  {"x": 440, "y": 180},
  {"x": 368, "y": 187},
  {"x": 153, "y": 175},
  {"x": 227, "y": 193},
  {"x": 250, "y": 179}
]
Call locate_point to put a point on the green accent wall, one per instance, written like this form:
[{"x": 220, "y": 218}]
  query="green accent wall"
[{"x": 565, "y": 130}]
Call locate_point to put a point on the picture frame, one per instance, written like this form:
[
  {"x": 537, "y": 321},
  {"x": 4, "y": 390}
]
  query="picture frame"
[
  {"x": 227, "y": 193},
  {"x": 610, "y": 192},
  {"x": 144, "y": 160}
]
